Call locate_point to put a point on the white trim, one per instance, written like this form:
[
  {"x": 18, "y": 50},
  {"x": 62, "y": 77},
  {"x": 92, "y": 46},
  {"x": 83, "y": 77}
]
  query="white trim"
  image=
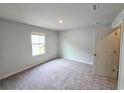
[
  {"x": 121, "y": 55},
  {"x": 78, "y": 61},
  {"x": 40, "y": 34},
  {"x": 103, "y": 74},
  {"x": 23, "y": 69},
  {"x": 20, "y": 70}
]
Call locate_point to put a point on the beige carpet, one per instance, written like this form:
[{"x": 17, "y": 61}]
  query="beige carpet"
[{"x": 58, "y": 74}]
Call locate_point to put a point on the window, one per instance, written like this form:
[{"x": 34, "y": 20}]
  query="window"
[{"x": 38, "y": 43}]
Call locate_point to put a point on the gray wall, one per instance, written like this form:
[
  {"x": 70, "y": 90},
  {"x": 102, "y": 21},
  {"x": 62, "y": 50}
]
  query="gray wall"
[
  {"x": 77, "y": 45},
  {"x": 15, "y": 46}
]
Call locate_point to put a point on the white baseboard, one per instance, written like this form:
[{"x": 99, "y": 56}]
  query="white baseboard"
[
  {"x": 77, "y": 60},
  {"x": 104, "y": 74},
  {"x": 23, "y": 69}
]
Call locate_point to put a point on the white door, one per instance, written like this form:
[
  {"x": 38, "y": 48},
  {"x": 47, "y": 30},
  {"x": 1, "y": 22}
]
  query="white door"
[{"x": 103, "y": 49}]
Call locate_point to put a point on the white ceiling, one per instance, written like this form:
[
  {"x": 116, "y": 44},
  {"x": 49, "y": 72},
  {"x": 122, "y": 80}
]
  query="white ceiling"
[{"x": 47, "y": 15}]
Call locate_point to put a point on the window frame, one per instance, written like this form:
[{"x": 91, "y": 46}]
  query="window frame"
[{"x": 40, "y": 34}]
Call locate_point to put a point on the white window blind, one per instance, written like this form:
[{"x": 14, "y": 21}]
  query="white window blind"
[{"x": 38, "y": 43}]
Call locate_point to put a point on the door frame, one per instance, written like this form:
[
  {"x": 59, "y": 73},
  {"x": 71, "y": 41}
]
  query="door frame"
[{"x": 121, "y": 59}]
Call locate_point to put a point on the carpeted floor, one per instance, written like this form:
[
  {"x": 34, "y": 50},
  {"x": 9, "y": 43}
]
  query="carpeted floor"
[{"x": 58, "y": 74}]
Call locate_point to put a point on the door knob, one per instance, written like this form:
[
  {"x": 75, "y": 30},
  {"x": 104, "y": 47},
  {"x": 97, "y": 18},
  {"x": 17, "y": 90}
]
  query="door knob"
[{"x": 94, "y": 54}]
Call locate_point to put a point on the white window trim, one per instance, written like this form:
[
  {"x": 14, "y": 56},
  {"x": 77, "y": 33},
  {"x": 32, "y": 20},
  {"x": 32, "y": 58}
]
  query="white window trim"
[{"x": 38, "y": 33}]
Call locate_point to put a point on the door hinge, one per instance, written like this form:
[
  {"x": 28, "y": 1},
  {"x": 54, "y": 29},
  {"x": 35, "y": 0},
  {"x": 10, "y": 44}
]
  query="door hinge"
[
  {"x": 114, "y": 52},
  {"x": 115, "y": 33},
  {"x": 113, "y": 70}
]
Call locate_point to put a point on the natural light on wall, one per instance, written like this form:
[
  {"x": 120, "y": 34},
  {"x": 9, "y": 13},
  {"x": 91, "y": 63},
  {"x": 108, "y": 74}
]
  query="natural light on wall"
[{"x": 38, "y": 43}]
